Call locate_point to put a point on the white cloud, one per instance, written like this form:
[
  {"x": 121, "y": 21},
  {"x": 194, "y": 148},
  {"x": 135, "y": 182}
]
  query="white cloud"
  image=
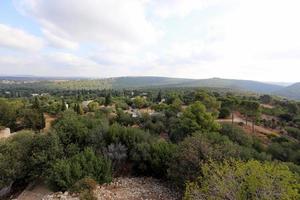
[
  {"x": 107, "y": 22},
  {"x": 258, "y": 27},
  {"x": 62, "y": 59},
  {"x": 202, "y": 38},
  {"x": 181, "y": 8},
  {"x": 18, "y": 39},
  {"x": 188, "y": 52},
  {"x": 57, "y": 42}
]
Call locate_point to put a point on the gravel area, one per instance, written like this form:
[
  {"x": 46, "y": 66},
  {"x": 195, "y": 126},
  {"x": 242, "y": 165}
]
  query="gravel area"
[{"x": 127, "y": 189}]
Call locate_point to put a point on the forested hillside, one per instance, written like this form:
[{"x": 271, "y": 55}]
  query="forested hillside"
[
  {"x": 147, "y": 82},
  {"x": 292, "y": 91}
]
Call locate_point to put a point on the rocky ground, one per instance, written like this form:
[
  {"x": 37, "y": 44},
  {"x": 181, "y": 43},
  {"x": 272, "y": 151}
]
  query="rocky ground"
[{"x": 127, "y": 189}]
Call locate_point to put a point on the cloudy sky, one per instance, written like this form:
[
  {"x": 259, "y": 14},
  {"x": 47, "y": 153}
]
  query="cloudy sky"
[{"x": 243, "y": 39}]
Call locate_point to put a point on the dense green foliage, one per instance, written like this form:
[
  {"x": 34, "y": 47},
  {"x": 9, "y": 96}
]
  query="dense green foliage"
[
  {"x": 171, "y": 134},
  {"x": 244, "y": 180},
  {"x": 66, "y": 172}
]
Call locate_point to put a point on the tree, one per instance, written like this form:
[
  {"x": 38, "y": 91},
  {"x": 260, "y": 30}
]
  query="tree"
[
  {"x": 36, "y": 103},
  {"x": 33, "y": 119},
  {"x": 244, "y": 180},
  {"x": 293, "y": 108},
  {"x": 266, "y": 99},
  {"x": 194, "y": 118},
  {"x": 210, "y": 102},
  {"x": 14, "y": 154},
  {"x": 63, "y": 105},
  {"x": 73, "y": 128},
  {"x": 225, "y": 113},
  {"x": 231, "y": 103},
  {"x": 158, "y": 98},
  {"x": 252, "y": 110},
  {"x": 44, "y": 150},
  {"x": 78, "y": 108},
  {"x": 9, "y": 111},
  {"x": 254, "y": 113},
  {"x": 108, "y": 99}
]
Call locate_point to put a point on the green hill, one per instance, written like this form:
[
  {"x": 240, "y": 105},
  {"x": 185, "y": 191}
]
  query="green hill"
[
  {"x": 292, "y": 91},
  {"x": 252, "y": 86},
  {"x": 147, "y": 81}
]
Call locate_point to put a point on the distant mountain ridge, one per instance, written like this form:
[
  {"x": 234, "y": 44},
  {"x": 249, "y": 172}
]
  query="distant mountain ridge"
[
  {"x": 292, "y": 91},
  {"x": 248, "y": 85}
]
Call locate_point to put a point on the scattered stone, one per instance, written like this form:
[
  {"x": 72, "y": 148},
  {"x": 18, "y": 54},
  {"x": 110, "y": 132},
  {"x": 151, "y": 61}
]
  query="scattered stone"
[{"x": 126, "y": 189}]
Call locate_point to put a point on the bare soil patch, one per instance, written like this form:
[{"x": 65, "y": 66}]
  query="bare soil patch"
[{"x": 48, "y": 121}]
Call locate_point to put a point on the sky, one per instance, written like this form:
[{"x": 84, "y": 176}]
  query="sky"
[{"x": 240, "y": 39}]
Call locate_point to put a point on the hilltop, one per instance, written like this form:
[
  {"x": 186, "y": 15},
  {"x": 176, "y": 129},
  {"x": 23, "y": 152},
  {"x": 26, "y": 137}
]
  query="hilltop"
[{"x": 65, "y": 83}]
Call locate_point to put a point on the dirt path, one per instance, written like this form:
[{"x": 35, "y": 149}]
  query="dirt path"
[
  {"x": 260, "y": 131},
  {"x": 48, "y": 120},
  {"x": 35, "y": 191}
]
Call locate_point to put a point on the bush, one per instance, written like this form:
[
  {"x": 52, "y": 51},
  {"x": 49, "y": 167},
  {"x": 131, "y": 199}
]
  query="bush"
[
  {"x": 85, "y": 187},
  {"x": 129, "y": 137},
  {"x": 73, "y": 128},
  {"x": 197, "y": 149},
  {"x": 87, "y": 195},
  {"x": 201, "y": 147},
  {"x": 224, "y": 113},
  {"x": 14, "y": 154},
  {"x": 84, "y": 184},
  {"x": 161, "y": 153},
  {"x": 285, "y": 150},
  {"x": 293, "y": 132},
  {"x": 244, "y": 180},
  {"x": 65, "y": 173},
  {"x": 117, "y": 153},
  {"x": 153, "y": 158},
  {"x": 236, "y": 134}
]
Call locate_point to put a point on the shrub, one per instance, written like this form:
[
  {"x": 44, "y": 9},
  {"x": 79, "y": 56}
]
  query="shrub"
[
  {"x": 129, "y": 137},
  {"x": 87, "y": 195},
  {"x": 84, "y": 184},
  {"x": 284, "y": 149},
  {"x": 117, "y": 153},
  {"x": 196, "y": 149},
  {"x": 224, "y": 113},
  {"x": 244, "y": 180},
  {"x": 293, "y": 132},
  {"x": 65, "y": 173},
  {"x": 236, "y": 134},
  {"x": 85, "y": 187},
  {"x": 153, "y": 158},
  {"x": 14, "y": 157},
  {"x": 161, "y": 153}
]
